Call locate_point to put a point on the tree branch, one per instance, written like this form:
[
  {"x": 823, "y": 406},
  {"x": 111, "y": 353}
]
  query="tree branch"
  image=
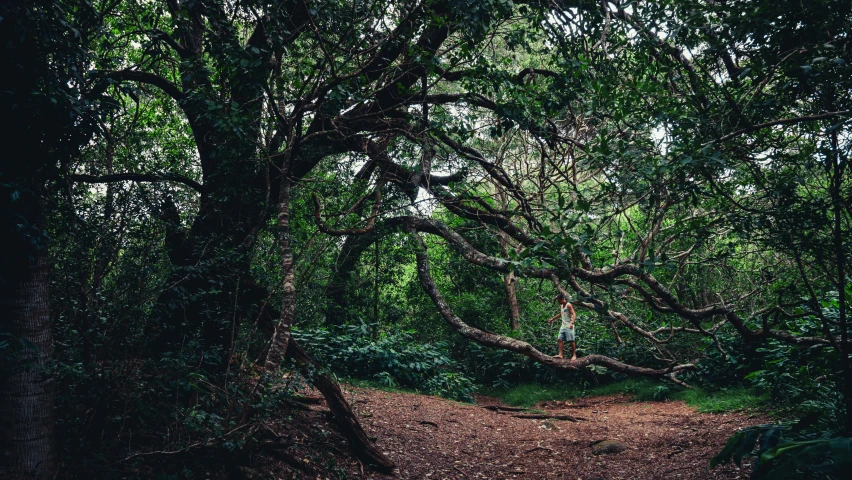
[
  {"x": 139, "y": 177},
  {"x": 517, "y": 346},
  {"x": 783, "y": 121},
  {"x": 166, "y": 86}
]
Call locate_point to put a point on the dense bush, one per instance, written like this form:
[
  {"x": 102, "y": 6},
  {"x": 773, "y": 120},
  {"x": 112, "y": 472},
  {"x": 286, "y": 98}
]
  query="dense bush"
[{"x": 394, "y": 359}]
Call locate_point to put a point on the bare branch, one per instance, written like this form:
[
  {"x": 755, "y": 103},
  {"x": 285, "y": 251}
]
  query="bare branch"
[{"x": 139, "y": 177}]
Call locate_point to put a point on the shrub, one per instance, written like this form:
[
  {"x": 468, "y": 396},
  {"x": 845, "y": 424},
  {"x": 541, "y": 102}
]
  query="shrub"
[{"x": 393, "y": 359}]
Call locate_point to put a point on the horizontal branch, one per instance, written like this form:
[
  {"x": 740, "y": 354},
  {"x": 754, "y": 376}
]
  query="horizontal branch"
[
  {"x": 783, "y": 121},
  {"x": 456, "y": 75},
  {"x": 475, "y": 99},
  {"x": 139, "y": 177}
]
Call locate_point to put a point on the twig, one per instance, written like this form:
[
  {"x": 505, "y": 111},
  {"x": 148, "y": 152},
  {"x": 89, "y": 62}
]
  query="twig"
[
  {"x": 538, "y": 416},
  {"x": 539, "y": 448},
  {"x": 292, "y": 461},
  {"x": 427, "y": 422},
  {"x": 206, "y": 443},
  {"x": 460, "y": 471},
  {"x": 675, "y": 452}
]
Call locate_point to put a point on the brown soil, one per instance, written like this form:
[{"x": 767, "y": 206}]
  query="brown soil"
[{"x": 434, "y": 438}]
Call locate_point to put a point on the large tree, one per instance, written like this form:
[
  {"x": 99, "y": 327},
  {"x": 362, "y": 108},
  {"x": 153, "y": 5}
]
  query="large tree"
[{"x": 668, "y": 160}]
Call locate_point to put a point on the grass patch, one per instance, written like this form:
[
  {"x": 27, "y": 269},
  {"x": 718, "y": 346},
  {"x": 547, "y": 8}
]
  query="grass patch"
[
  {"x": 719, "y": 401},
  {"x": 528, "y": 394},
  {"x": 705, "y": 401}
]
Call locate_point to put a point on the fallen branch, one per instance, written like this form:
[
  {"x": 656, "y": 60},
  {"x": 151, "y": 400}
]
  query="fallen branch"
[
  {"x": 497, "y": 408},
  {"x": 675, "y": 452},
  {"x": 539, "y": 448},
  {"x": 207, "y": 443},
  {"x": 541, "y": 416}
]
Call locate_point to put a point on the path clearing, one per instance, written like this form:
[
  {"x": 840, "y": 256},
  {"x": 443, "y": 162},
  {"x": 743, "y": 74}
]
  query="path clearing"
[{"x": 430, "y": 437}]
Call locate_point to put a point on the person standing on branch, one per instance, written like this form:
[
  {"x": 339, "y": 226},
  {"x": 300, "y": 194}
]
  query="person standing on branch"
[{"x": 566, "y": 331}]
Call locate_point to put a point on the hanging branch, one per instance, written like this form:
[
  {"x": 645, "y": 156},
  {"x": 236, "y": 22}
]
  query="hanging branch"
[{"x": 371, "y": 220}]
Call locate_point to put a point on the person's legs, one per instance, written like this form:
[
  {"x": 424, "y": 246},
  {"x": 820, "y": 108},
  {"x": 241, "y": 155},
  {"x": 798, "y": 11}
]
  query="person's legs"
[
  {"x": 573, "y": 350},
  {"x": 560, "y": 343}
]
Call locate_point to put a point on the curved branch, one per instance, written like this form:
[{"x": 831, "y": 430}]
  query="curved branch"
[
  {"x": 166, "y": 86},
  {"x": 496, "y": 172},
  {"x": 517, "y": 346},
  {"x": 157, "y": 34}
]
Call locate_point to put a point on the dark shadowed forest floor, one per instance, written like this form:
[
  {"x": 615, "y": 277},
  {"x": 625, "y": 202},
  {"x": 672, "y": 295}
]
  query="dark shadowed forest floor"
[{"x": 434, "y": 438}]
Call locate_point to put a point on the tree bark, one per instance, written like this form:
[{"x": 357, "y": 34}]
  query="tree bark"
[
  {"x": 511, "y": 297},
  {"x": 509, "y": 278},
  {"x": 27, "y": 443},
  {"x": 278, "y": 346},
  {"x": 346, "y": 420},
  {"x": 839, "y": 167}
]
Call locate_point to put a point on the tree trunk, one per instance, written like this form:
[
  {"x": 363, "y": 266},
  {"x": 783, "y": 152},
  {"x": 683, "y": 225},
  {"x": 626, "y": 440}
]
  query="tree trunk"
[
  {"x": 509, "y": 278},
  {"x": 839, "y": 167},
  {"x": 278, "y": 346},
  {"x": 344, "y": 268},
  {"x": 27, "y": 443},
  {"x": 512, "y": 298}
]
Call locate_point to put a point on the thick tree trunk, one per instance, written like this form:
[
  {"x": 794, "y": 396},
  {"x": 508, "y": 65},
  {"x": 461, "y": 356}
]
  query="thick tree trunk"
[
  {"x": 27, "y": 443},
  {"x": 844, "y": 332},
  {"x": 837, "y": 201},
  {"x": 347, "y": 260}
]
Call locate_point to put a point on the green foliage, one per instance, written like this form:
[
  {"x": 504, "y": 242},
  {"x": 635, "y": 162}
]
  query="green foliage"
[
  {"x": 625, "y": 153},
  {"x": 715, "y": 401},
  {"x": 777, "y": 457},
  {"x": 392, "y": 359}
]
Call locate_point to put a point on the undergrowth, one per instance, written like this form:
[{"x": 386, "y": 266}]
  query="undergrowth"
[
  {"x": 705, "y": 401},
  {"x": 389, "y": 359}
]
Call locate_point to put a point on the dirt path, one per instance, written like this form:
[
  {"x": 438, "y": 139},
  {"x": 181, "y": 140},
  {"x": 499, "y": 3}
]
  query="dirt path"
[{"x": 433, "y": 438}]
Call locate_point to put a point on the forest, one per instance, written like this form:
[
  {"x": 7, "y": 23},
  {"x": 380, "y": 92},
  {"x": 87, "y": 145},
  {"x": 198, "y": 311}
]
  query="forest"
[{"x": 263, "y": 239}]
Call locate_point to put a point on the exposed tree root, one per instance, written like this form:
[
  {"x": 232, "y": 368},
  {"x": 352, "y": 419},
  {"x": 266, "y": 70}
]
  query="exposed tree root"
[
  {"x": 542, "y": 416},
  {"x": 346, "y": 420},
  {"x": 498, "y": 408}
]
